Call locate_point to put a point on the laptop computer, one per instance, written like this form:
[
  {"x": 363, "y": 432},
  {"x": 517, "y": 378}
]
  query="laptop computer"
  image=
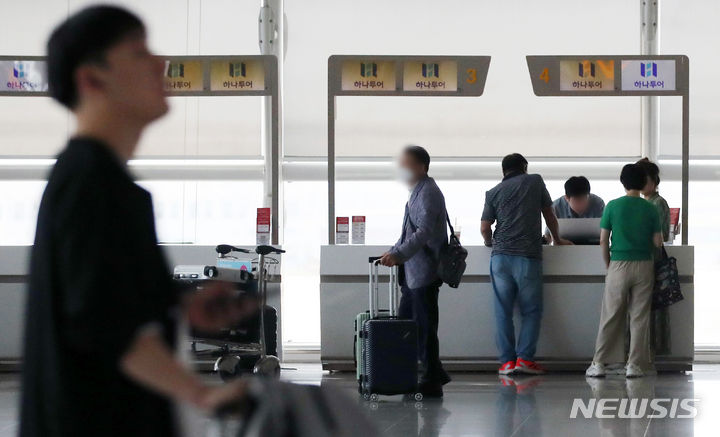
[{"x": 580, "y": 230}]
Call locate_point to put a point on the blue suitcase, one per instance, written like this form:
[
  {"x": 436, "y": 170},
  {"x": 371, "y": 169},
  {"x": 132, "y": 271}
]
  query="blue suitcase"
[{"x": 389, "y": 363}]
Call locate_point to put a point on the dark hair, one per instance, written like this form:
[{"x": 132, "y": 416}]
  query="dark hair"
[
  {"x": 82, "y": 39},
  {"x": 420, "y": 155},
  {"x": 651, "y": 169},
  {"x": 633, "y": 177},
  {"x": 513, "y": 163},
  {"x": 577, "y": 186}
]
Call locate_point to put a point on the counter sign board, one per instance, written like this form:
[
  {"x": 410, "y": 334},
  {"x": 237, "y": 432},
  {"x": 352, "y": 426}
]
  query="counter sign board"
[
  {"x": 368, "y": 75},
  {"x": 462, "y": 76},
  {"x": 609, "y": 75},
  {"x": 430, "y": 76},
  {"x": 23, "y": 76},
  {"x": 220, "y": 75},
  {"x": 587, "y": 75},
  {"x": 237, "y": 74},
  {"x": 183, "y": 76},
  {"x": 648, "y": 74}
]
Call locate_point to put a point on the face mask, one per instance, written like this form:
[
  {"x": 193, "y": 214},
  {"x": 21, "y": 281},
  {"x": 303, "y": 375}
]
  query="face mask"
[{"x": 405, "y": 175}]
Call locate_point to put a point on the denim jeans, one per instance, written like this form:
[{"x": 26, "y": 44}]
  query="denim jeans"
[{"x": 517, "y": 278}]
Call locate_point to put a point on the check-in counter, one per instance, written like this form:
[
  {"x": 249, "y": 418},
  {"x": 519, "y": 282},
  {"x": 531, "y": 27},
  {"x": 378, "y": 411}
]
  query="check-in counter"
[
  {"x": 14, "y": 262},
  {"x": 574, "y": 279}
]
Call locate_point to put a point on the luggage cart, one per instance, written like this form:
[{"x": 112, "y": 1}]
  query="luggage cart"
[{"x": 232, "y": 356}]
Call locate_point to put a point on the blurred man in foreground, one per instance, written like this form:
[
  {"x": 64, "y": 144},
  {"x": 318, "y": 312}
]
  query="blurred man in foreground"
[{"x": 102, "y": 309}]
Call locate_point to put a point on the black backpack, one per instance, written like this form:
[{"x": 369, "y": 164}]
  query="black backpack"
[{"x": 452, "y": 259}]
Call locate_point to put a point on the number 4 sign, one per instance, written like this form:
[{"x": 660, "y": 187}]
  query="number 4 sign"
[{"x": 545, "y": 76}]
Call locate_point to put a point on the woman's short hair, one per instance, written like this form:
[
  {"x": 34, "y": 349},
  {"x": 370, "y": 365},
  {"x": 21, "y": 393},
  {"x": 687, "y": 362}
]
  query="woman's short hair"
[
  {"x": 633, "y": 177},
  {"x": 651, "y": 169}
]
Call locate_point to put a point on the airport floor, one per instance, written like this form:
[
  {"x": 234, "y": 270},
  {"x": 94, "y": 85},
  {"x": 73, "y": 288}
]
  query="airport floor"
[{"x": 486, "y": 405}]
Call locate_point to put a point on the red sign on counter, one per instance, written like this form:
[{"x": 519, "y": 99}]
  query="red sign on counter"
[
  {"x": 358, "y": 229},
  {"x": 342, "y": 230},
  {"x": 263, "y": 226}
]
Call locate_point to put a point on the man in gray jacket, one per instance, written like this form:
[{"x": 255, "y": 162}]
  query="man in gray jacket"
[{"x": 424, "y": 233}]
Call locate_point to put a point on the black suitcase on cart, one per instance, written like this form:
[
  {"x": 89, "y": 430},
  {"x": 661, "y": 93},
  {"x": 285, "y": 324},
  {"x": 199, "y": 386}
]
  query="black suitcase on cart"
[{"x": 390, "y": 364}]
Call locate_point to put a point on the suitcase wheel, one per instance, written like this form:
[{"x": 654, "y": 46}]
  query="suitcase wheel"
[
  {"x": 228, "y": 367},
  {"x": 268, "y": 366},
  {"x": 372, "y": 397},
  {"x": 418, "y": 397}
]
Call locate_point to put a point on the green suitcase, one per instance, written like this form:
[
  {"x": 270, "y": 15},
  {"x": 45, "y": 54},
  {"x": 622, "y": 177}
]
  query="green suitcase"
[
  {"x": 360, "y": 320},
  {"x": 363, "y": 317}
]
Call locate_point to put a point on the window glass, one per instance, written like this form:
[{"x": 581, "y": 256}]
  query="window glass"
[
  {"x": 691, "y": 29},
  {"x": 18, "y": 211},
  {"x": 508, "y": 115}
]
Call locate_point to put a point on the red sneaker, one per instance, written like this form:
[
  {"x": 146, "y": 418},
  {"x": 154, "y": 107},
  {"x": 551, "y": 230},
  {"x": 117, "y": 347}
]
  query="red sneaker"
[
  {"x": 529, "y": 367},
  {"x": 507, "y": 368}
]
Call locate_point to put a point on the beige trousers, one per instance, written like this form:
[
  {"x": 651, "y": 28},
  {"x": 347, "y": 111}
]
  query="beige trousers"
[{"x": 628, "y": 291}]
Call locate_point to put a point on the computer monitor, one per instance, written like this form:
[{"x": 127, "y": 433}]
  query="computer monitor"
[{"x": 580, "y": 230}]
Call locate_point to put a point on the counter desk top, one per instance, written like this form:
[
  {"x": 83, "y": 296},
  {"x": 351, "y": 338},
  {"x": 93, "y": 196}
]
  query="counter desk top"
[
  {"x": 557, "y": 260},
  {"x": 15, "y": 260}
]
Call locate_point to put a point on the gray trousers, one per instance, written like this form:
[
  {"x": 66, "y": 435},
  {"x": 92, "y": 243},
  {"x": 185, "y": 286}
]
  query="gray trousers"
[{"x": 628, "y": 292}]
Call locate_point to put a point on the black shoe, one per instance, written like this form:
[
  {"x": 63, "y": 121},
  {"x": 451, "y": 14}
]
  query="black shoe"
[
  {"x": 444, "y": 378},
  {"x": 431, "y": 390},
  {"x": 441, "y": 379}
]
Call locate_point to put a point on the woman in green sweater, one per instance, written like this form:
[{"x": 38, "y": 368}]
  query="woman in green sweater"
[
  {"x": 659, "y": 319},
  {"x": 629, "y": 234}
]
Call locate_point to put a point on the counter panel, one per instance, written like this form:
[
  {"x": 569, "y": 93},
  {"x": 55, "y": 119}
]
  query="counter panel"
[{"x": 573, "y": 292}]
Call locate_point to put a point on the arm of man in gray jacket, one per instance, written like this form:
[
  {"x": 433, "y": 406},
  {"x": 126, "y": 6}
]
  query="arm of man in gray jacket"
[{"x": 424, "y": 214}]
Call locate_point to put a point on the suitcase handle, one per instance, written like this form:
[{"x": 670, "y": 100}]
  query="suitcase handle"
[{"x": 374, "y": 285}]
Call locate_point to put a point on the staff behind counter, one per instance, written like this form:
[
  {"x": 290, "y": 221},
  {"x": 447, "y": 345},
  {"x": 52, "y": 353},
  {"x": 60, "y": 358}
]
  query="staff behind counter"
[{"x": 577, "y": 203}]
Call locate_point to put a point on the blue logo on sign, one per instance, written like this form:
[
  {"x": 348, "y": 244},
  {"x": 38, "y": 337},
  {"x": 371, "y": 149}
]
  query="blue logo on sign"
[
  {"x": 648, "y": 69},
  {"x": 19, "y": 70},
  {"x": 431, "y": 70},
  {"x": 176, "y": 70},
  {"x": 238, "y": 69},
  {"x": 368, "y": 69}
]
